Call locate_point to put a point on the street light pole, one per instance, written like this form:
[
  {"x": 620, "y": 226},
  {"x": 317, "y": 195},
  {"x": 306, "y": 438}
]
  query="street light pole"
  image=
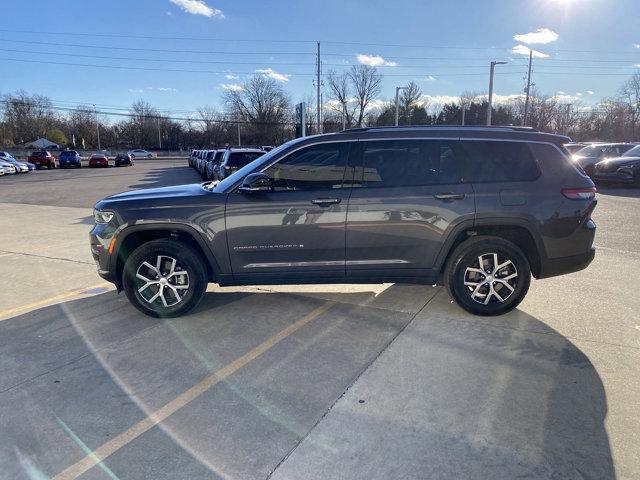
[
  {"x": 344, "y": 115},
  {"x": 159, "y": 136},
  {"x": 493, "y": 65},
  {"x": 398, "y": 103},
  {"x": 95, "y": 111}
]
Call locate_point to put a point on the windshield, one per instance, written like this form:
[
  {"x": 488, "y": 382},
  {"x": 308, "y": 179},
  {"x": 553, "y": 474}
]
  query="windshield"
[
  {"x": 634, "y": 152},
  {"x": 239, "y": 174}
]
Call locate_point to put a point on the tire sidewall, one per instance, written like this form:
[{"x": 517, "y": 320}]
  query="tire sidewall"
[
  {"x": 467, "y": 254},
  {"x": 189, "y": 260}
]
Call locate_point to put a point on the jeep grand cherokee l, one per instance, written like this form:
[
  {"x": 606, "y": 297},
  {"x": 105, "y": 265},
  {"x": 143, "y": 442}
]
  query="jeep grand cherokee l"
[{"x": 479, "y": 209}]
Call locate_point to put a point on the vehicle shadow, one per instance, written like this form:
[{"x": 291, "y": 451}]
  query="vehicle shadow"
[
  {"x": 168, "y": 176},
  {"x": 508, "y": 396}
]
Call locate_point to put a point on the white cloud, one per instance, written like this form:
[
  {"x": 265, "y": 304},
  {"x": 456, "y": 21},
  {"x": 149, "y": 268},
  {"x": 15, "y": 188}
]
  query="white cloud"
[
  {"x": 524, "y": 50},
  {"x": 374, "y": 61},
  {"x": 167, "y": 89},
  {"x": 430, "y": 78},
  {"x": 578, "y": 94},
  {"x": 269, "y": 72},
  {"x": 636, "y": 45},
  {"x": 565, "y": 98},
  {"x": 136, "y": 90},
  {"x": 591, "y": 92},
  {"x": 560, "y": 92},
  {"x": 198, "y": 7},
  {"x": 637, "y": 65},
  {"x": 541, "y": 35},
  {"x": 169, "y": 13},
  {"x": 230, "y": 76},
  {"x": 233, "y": 87}
]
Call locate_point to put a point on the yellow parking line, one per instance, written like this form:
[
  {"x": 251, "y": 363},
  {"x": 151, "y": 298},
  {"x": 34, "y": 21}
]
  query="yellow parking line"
[
  {"x": 4, "y": 314},
  {"x": 109, "y": 448}
]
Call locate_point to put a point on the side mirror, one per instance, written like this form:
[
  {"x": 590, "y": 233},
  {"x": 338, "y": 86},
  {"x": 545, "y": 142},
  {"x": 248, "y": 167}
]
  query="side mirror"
[{"x": 256, "y": 182}]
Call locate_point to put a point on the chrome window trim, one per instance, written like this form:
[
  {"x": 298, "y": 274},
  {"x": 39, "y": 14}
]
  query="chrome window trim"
[{"x": 392, "y": 138}]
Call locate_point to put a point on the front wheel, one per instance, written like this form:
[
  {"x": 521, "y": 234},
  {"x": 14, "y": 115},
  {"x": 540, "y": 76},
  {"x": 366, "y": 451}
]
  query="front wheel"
[
  {"x": 487, "y": 275},
  {"x": 164, "y": 278}
]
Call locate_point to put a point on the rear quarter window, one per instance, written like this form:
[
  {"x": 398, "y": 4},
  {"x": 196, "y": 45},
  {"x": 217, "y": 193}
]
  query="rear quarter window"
[{"x": 500, "y": 161}]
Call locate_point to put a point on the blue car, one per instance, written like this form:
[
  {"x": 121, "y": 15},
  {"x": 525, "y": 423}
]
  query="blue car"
[
  {"x": 70, "y": 158},
  {"x": 21, "y": 167}
]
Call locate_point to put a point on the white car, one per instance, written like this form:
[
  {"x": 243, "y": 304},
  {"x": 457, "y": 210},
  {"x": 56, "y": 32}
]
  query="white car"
[
  {"x": 139, "y": 153},
  {"x": 7, "y": 168}
]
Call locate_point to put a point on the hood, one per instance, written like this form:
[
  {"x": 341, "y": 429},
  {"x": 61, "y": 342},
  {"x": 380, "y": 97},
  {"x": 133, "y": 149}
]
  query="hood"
[
  {"x": 620, "y": 161},
  {"x": 154, "y": 194}
]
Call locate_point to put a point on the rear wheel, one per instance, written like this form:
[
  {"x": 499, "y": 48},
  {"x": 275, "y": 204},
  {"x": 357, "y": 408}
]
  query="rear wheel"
[
  {"x": 164, "y": 278},
  {"x": 487, "y": 275}
]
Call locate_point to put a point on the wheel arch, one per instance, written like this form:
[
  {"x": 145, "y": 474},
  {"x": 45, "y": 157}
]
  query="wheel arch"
[
  {"x": 132, "y": 237},
  {"x": 512, "y": 230}
]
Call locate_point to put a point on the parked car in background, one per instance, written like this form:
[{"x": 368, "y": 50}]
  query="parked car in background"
[
  {"x": 139, "y": 153},
  {"x": 70, "y": 158},
  {"x": 21, "y": 167},
  {"x": 43, "y": 159},
  {"x": 573, "y": 147},
  {"x": 267, "y": 148},
  {"x": 98, "y": 160},
  {"x": 213, "y": 166},
  {"x": 588, "y": 156},
  {"x": 624, "y": 169},
  {"x": 7, "y": 168},
  {"x": 236, "y": 158},
  {"x": 123, "y": 159}
]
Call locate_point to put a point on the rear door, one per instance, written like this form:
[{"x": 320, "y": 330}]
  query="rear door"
[
  {"x": 407, "y": 196},
  {"x": 299, "y": 228}
]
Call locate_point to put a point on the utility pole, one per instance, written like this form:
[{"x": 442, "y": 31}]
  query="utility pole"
[
  {"x": 239, "y": 140},
  {"x": 526, "y": 100},
  {"x": 568, "y": 117},
  {"x": 319, "y": 100},
  {"x": 95, "y": 111},
  {"x": 159, "y": 136},
  {"x": 464, "y": 109},
  {"x": 398, "y": 103},
  {"x": 491, "y": 69},
  {"x": 344, "y": 115}
]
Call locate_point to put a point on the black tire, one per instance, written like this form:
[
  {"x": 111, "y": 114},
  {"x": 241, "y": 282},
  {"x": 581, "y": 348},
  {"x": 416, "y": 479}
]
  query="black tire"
[
  {"x": 466, "y": 256},
  {"x": 187, "y": 260}
]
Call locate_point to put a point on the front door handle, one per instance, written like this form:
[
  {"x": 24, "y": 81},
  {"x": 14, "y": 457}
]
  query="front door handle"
[
  {"x": 449, "y": 196},
  {"x": 325, "y": 202}
]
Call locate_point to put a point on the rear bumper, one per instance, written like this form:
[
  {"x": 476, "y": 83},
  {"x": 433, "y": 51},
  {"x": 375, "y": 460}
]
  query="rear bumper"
[{"x": 560, "y": 266}]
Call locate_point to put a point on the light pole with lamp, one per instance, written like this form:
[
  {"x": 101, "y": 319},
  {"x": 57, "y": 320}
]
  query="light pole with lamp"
[{"x": 493, "y": 64}]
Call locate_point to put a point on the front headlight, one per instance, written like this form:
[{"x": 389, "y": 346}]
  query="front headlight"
[{"x": 100, "y": 216}]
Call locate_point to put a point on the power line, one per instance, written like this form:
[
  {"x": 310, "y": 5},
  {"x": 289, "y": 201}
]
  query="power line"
[
  {"x": 122, "y": 67},
  {"x": 303, "y": 41}
]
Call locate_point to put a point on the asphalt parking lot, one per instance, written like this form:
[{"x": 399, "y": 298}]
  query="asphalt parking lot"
[{"x": 306, "y": 382}]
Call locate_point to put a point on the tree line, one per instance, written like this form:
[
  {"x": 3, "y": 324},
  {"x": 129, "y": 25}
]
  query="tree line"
[{"x": 261, "y": 112}]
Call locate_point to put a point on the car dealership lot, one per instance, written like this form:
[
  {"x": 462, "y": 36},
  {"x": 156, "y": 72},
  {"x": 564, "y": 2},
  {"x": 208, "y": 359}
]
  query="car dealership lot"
[{"x": 326, "y": 381}]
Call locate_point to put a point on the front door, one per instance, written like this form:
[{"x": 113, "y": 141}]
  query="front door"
[
  {"x": 298, "y": 229},
  {"x": 407, "y": 196}
]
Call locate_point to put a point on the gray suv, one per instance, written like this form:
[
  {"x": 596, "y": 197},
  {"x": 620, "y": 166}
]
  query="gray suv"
[{"x": 478, "y": 209}]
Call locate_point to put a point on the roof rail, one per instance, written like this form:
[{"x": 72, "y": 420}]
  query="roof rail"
[{"x": 452, "y": 127}]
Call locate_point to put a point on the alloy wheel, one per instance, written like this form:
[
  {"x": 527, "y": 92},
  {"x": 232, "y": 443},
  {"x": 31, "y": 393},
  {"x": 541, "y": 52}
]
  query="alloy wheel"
[
  {"x": 491, "y": 279},
  {"x": 162, "y": 280}
]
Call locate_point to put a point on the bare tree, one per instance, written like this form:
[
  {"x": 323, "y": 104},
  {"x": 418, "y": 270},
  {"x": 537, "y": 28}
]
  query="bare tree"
[
  {"x": 28, "y": 116},
  {"x": 367, "y": 83},
  {"x": 630, "y": 91},
  {"x": 264, "y": 105},
  {"x": 341, "y": 93}
]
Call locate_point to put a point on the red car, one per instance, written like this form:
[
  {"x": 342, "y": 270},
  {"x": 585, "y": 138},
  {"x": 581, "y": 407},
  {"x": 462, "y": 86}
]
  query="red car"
[
  {"x": 43, "y": 159},
  {"x": 98, "y": 160}
]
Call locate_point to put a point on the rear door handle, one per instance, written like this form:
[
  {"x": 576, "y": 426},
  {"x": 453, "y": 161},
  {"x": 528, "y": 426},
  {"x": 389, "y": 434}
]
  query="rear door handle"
[
  {"x": 449, "y": 196},
  {"x": 325, "y": 202}
]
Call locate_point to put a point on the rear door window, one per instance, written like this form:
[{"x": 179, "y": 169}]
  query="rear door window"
[
  {"x": 240, "y": 159},
  {"x": 399, "y": 163}
]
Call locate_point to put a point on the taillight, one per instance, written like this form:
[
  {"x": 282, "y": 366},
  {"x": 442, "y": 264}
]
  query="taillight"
[{"x": 579, "y": 193}]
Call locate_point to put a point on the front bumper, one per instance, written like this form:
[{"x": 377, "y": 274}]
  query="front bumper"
[
  {"x": 620, "y": 176},
  {"x": 100, "y": 239}
]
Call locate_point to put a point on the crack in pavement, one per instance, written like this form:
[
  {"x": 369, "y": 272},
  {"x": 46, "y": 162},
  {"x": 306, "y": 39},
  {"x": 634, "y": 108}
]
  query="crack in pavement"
[{"x": 9, "y": 252}]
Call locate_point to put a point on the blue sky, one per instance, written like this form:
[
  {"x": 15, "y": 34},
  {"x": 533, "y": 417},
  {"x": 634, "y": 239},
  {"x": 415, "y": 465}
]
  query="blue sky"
[{"x": 590, "y": 46}]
